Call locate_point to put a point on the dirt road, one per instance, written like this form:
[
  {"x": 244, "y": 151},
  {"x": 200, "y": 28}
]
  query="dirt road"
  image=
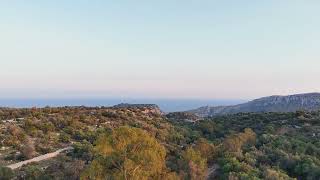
[{"x": 39, "y": 158}]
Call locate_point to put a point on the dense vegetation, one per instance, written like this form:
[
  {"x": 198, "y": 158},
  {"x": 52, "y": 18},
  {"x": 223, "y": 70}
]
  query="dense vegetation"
[
  {"x": 140, "y": 143},
  {"x": 286, "y": 144}
]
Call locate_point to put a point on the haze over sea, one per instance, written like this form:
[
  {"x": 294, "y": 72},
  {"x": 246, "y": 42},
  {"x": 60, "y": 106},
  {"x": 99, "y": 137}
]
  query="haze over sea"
[{"x": 166, "y": 105}]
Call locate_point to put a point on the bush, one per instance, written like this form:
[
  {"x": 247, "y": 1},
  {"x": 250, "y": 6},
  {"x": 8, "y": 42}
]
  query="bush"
[{"x": 6, "y": 173}]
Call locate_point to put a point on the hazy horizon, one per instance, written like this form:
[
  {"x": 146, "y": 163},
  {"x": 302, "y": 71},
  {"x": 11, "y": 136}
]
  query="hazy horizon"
[
  {"x": 161, "y": 50},
  {"x": 167, "y": 105}
]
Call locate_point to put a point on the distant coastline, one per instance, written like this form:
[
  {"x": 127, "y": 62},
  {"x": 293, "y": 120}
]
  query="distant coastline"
[{"x": 166, "y": 105}]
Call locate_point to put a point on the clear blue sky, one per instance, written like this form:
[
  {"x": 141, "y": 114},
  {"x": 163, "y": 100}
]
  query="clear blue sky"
[{"x": 160, "y": 49}]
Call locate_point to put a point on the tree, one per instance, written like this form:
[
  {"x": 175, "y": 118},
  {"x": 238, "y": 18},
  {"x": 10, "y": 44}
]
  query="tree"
[
  {"x": 272, "y": 174},
  {"x": 28, "y": 149},
  {"x": 235, "y": 142},
  {"x": 206, "y": 149},
  {"x": 194, "y": 164},
  {"x": 127, "y": 153}
]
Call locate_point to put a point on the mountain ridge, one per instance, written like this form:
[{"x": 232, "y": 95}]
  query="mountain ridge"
[{"x": 275, "y": 103}]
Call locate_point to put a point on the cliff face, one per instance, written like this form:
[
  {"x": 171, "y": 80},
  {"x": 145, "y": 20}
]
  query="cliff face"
[{"x": 307, "y": 102}]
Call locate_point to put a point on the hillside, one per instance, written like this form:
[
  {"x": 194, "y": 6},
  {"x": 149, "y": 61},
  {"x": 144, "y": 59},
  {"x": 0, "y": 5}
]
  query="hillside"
[
  {"x": 292, "y": 103},
  {"x": 283, "y": 146},
  {"x": 183, "y": 116},
  {"x": 136, "y": 142},
  {"x": 31, "y": 132},
  {"x": 147, "y": 108}
]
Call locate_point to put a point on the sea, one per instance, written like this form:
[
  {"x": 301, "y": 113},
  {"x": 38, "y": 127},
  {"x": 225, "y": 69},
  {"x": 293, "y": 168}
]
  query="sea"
[{"x": 166, "y": 105}]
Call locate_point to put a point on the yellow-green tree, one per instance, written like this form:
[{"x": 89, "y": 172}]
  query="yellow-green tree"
[
  {"x": 194, "y": 166},
  {"x": 207, "y": 150},
  {"x": 272, "y": 174},
  {"x": 127, "y": 153},
  {"x": 235, "y": 142}
]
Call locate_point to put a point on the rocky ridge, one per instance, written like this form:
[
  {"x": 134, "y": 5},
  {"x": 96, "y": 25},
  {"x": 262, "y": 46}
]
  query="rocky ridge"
[{"x": 291, "y": 103}]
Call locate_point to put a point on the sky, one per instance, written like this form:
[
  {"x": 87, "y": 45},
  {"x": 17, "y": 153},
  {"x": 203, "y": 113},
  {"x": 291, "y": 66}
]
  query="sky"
[{"x": 202, "y": 49}]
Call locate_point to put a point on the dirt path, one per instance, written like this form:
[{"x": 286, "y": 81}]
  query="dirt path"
[{"x": 39, "y": 158}]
